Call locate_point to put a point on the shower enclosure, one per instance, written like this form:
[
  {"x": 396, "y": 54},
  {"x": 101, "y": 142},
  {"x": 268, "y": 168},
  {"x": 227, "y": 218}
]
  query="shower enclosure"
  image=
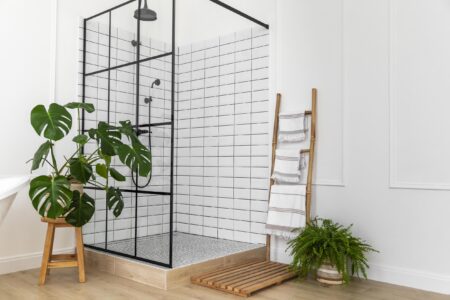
[{"x": 202, "y": 108}]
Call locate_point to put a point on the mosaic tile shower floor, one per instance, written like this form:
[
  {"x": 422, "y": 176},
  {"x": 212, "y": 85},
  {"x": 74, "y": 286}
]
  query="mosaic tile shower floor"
[{"x": 187, "y": 248}]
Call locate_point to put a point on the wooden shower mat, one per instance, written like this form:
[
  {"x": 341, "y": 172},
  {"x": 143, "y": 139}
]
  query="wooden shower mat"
[{"x": 243, "y": 280}]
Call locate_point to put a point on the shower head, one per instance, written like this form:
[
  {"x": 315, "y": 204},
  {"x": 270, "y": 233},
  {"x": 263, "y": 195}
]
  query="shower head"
[
  {"x": 157, "y": 82},
  {"x": 135, "y": 43},
  {"x": 145, "y": 14}
]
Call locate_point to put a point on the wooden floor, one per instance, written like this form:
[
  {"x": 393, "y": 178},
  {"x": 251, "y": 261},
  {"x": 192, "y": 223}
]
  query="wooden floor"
[{"x": 63, "y": 284}]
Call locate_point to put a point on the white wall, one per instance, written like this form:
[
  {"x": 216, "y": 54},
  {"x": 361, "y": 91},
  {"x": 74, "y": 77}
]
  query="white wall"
[
  {"x": 382, "y": 70},
  {"x": 29, "y": 30},
  {"x": 69, "y": 14},
  {"x": 27, "y": 79},
  {"x": 199, "y": 20}
]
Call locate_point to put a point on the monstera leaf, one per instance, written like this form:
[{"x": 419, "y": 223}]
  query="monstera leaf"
[
  {"x": 114, "y": 199},
  {"x": 81, "y": 210},
  {"x": 127, "y": 129},
  {"x": 77, "y": 105},
  {"x": 80, "y": 169},
  {"x": 50, "y": 195},
  {"x": 41, "y": 155},
  {"x": 102, "y": 170},
  {"x": 105, "y": 157},
  {"x": 109, "y": 138},
  {"x": 138, "y": 158},
  {"x": 116, "y": 175},
  {"x": 54, "y": 124},
  {"x": 81, "y": 139}
]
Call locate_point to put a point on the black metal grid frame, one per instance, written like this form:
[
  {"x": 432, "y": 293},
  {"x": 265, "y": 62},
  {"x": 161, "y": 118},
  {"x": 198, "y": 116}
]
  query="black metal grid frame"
[{"x": 137, "y": 62}]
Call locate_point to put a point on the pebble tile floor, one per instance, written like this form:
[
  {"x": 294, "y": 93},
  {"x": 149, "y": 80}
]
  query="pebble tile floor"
[{"x": 187, "y": 248}]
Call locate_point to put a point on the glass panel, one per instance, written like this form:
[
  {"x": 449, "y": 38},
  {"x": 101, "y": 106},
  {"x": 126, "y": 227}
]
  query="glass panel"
[
  {"x": 114, "y": 94},
  {"x": 156, "y": 36},
  {"x": 97, "y": 42},
  {"x": 94, "y": 233},
  {"x": 123, "y": 108},
  {"x": 123, "y": 34},
  {"x": 123, "y": 95},
  {"x": 159, "y": 143},
  {"x": 121, "y": 230},
  {"x": 155, "y": 83},
  {"x": 153, "y": 241},
  {"x": 96, "y": 93},
  {"x": 154, "y": 109}
]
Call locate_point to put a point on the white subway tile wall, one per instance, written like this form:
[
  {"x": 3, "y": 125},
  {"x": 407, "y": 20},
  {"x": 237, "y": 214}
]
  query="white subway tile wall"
[
  {"x": 221, "y": 143},
  {"x": 222, "y": 164}
]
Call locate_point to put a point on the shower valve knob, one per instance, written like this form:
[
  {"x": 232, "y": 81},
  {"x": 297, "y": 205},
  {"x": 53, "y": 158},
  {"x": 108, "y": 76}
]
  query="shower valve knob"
[{"x": 148, "y": 100}]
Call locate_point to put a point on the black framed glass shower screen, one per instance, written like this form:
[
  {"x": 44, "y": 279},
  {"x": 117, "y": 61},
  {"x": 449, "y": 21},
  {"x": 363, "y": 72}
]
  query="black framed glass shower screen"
[{"x": 123, "y": 58}]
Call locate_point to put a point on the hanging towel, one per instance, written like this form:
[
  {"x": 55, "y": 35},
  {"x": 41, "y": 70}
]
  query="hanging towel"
[
  {"x": 287, "y": 167},
  {"x": 286, "y": 210},
  {"x": 292, "y": 127}
]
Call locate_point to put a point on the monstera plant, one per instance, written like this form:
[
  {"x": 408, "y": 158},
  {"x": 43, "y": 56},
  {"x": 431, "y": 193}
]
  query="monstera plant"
[{"x": 52, "y": 195}]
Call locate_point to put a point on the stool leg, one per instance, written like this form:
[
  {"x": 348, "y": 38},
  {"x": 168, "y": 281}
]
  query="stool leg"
[
  {"x": 51, "y": 247},
  {"x": 80, "y": 254},
  {"x": 46, "y": 255}
]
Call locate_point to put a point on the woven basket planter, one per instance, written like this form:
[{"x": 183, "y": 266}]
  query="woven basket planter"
[{"x": 328, "y": 274}]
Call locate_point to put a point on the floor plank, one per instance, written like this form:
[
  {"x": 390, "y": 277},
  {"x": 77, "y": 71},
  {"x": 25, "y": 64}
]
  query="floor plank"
[{"x": 63, "y": 284}]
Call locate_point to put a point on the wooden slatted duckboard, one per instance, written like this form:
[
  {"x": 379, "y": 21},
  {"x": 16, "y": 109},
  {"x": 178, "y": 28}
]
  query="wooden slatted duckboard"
[{"x": 243, "y": 280}]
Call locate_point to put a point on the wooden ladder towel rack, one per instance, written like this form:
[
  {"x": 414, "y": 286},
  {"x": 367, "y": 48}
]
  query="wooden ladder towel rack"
[{"x": 244, "y": 280}]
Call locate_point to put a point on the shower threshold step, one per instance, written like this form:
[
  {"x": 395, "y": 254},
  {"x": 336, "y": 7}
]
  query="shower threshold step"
[{"x": 193, "y": 255}]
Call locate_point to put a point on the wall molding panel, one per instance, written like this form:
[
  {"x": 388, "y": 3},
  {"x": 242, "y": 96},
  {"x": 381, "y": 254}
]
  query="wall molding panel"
[
  {"x": 395, "y": 107},
  {"x": 341, "y": 180}
]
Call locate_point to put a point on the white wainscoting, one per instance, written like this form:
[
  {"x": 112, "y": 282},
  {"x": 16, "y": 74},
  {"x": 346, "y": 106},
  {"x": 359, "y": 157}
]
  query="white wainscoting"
[{"x": 26, "y": 261}]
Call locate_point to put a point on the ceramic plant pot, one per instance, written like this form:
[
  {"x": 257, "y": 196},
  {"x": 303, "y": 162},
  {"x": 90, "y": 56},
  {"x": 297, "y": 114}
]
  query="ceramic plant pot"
[
  {"x": 328, "y": 274},
  {"x": 75, "y": 185}
]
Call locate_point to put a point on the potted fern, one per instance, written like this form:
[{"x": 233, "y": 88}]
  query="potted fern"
[
  {"x": 60, "y": 193},
  {"x": 330, "y": 250}
]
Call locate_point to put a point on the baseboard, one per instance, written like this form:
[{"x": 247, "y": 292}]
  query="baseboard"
[
  {"x": 395, "y": 275},
  {"x": 439, "y": 283},
  {"x": 27, "y": 261},
  {"x": 433, "y": 282}
]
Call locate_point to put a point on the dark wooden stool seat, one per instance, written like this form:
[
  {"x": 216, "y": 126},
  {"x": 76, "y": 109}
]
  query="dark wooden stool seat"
[{"x": 50, "y": 260}]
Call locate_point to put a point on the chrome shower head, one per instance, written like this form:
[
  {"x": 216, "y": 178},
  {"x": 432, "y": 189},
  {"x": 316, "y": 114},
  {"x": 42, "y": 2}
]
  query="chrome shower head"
[
  {"x": 135, "y": 43},
  {"x": 145, "y": 14},
  {"x": 157, "y": 82}
]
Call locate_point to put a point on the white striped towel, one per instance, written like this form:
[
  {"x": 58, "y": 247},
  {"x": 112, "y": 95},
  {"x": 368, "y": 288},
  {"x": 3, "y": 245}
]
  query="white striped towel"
[
  {"x": 292, "y": 127},
  {"x": 286, "y": 210},
  {"x": 287, "y": 167}
]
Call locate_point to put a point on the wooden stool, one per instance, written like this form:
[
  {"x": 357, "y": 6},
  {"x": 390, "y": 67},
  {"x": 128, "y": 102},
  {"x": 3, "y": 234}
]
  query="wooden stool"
[{"x": 50, "y": 260}]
